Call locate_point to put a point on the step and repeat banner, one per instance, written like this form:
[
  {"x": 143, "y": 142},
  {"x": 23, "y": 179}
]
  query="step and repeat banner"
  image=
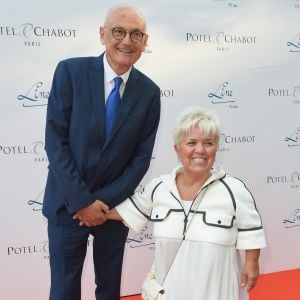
[{"x": 239, "y": 58}]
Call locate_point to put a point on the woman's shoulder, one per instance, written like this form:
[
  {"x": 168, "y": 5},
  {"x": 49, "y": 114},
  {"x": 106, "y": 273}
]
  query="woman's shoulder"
[
  {"x": 238, "y": 187},
  {"x": 153, "y": 183},
  {"x": 165, "y": 181},
  {"x": 234, "y": 181}
]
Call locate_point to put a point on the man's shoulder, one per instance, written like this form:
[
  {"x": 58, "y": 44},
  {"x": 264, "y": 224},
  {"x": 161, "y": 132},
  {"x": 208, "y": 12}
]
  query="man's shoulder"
[
  {"x": 80, "y": 61},
  {"x": 144, "y": 78},
  {"x": 78, "y": 66}
]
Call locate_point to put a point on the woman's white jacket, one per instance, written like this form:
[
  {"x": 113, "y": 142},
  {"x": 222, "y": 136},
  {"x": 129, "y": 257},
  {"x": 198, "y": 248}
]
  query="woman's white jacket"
[{"x": 224, "y": 211}]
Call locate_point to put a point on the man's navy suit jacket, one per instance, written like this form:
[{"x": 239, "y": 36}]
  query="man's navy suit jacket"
[{"x": 83, "y": 165}]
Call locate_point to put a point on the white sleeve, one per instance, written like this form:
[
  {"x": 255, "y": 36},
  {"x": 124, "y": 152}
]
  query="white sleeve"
[
  {"x": 136, "y": 210},
  {"x": 250, "y": 230}
]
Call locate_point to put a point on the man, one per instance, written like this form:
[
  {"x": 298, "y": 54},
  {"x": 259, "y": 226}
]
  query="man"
[{"x": 91, "y": 170}]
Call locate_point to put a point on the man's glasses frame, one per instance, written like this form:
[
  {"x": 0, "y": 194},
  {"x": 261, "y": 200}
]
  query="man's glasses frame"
[{"x": 119, "y": 33}]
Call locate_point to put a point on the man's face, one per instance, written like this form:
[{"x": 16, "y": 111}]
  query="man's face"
[{"x": 122, "y": 54}]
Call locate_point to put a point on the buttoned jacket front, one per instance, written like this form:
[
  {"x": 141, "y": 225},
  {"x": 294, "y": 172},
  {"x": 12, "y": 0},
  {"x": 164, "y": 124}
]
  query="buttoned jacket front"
[{"x": 84, "y": 165}]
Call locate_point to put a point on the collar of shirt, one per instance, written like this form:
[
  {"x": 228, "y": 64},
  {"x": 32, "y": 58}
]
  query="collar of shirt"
[{"x": 109, "y": 75}]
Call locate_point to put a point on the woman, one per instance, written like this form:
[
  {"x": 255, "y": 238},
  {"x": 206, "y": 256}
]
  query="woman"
[{"x": 201, "y": 217}]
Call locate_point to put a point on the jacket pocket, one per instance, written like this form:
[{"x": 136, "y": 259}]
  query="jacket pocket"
[
  {"x": 218, "y": 220},
  {"x": 213, "y": 227},
  {"x": 168, "y": 222},
  {"x": 159, "y": 214}
]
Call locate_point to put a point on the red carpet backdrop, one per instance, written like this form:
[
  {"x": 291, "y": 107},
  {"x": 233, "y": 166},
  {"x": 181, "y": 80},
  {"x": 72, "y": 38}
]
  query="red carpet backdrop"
[{"x": 238, "y": 58}]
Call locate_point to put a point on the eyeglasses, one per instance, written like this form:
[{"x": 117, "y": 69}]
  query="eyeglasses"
[{"x": 119, "y": 34}]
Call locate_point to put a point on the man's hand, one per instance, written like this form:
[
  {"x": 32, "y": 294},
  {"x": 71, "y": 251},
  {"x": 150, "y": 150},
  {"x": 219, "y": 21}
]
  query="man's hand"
[{"x": 92, "y": 215}]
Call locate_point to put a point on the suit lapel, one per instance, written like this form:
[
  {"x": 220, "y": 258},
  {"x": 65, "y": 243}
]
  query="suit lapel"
[{"x": 96, "y": 79}]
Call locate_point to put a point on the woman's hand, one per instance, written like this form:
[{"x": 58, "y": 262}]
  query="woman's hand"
[
  {"x": 250, "y": 271},
  {"x": 113, "y": 215}
]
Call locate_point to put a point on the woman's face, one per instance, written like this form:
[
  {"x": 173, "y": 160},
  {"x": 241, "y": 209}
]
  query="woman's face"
[{"x": 197, "y": 152}]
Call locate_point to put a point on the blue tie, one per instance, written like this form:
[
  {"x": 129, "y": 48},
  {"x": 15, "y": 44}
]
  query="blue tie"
[{"x": 112, "y": 105}]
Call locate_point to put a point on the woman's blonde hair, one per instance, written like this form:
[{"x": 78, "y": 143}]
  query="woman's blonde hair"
[{"x": 196, "y": 116}]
